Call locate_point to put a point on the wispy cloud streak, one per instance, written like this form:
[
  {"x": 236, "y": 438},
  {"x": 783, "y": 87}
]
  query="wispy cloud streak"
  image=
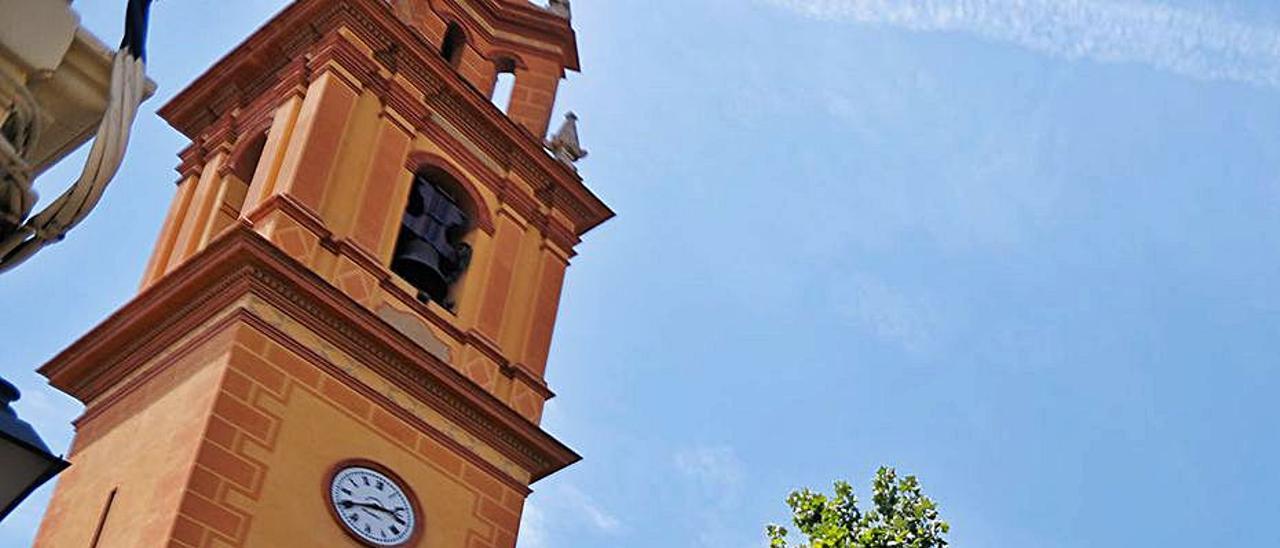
[
  {"x": 565, "y": 510},
  {"x": 597, "y": 515},
  {"x": 715, "y": 466},
  {"x": 1193, "y": 43}
]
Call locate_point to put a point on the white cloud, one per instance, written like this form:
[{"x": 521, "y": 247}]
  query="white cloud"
[
  {"x": 717, "y": 467},
  {"x": 560, "y": 510},
  {"x": 1194, "y": 43},
  {"x": 717, "y": 476},
  {"x": 887, "y": 314},
  {"x": 585, "y": 506},
  {"x": 533, "y": 526}
]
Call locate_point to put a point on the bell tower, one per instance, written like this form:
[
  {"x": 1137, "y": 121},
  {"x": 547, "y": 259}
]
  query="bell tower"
[{"x": 341, "y": 335}]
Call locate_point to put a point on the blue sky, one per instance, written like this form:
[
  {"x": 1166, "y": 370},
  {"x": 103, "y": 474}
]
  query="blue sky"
[{"x": 1025, "y": 249}]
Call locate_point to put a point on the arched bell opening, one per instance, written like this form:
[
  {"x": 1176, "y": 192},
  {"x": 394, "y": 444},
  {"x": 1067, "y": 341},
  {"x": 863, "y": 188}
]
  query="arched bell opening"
[
  {"x": 246, "y": 163},
  {"x": 235, "y": 186},
  {"x": 504, "y": 85},
  {"x": 455, "y": 40},
  {"x": 437, "y": 231}
]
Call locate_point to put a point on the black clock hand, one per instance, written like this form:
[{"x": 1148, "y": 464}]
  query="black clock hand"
[
  {"x": 347, "y": 504},
  {"x": 378, "y": 504}
]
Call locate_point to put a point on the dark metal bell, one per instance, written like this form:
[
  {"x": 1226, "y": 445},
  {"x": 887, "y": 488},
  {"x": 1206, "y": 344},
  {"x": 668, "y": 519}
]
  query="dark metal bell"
[
  {"x": 430, "y": 254},
  {"x": 418, "y": 263}
]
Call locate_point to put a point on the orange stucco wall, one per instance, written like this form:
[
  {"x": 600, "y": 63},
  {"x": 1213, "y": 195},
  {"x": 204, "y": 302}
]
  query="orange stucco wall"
[
  {"x": 317, "y": 422},
  {"x": 142, "y": 445},
  {"x": 229, "y": 442},
  {"x": 226, "y": 436}
]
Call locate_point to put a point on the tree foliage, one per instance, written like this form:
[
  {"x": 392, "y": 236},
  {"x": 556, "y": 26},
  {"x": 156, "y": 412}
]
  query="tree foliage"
[{"x": 903, "y": 517}]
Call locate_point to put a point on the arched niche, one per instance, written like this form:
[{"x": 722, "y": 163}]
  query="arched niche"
[
  {"x": 422, "y": 160},
  {"x": 454, "y": 43}
]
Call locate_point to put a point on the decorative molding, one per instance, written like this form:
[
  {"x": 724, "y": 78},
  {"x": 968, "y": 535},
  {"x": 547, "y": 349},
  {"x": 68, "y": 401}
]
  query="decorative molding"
[
  {"x": 412, "y": 326},
  {"x": 101, "y": 395},
  {"x": 277, "y": 335},
  {"x": 516, "y": 18},
  {"x": 412, "y": 377},
  {"x": 264, "y": 62},
  {"x": 406, "y": 102},
  {"x": 193, "y": 160},
  {"x": 487, "y": 346},
  {"x": 297, "y": 211},
  {"x": 452, "y": 104},
  {"x": 243, "y": 262},
  {"x": 521, "y": 371},
  {"x": 498, "y": 54}
]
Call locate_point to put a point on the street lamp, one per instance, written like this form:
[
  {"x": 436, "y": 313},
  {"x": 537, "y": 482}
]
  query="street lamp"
[{"x": 24, "y": 458}]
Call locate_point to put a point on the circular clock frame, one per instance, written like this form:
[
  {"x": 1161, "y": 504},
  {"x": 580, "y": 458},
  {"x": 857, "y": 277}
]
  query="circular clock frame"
[{"x": 327, "y": 486}]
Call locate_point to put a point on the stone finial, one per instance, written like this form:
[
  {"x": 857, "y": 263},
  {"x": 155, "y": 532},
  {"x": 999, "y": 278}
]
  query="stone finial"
[
  {"x": 564, "y": 143},
  {"x": 561, "y": 8}
]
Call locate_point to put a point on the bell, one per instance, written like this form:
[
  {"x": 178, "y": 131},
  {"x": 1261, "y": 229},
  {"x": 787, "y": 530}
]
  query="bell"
[
  {"x": 420, "y": 264},
  {"x": 429, "y": 253}
]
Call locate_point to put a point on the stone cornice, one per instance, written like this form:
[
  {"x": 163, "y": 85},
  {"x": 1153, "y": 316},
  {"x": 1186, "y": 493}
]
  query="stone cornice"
[
  {"x": 523, "y": 17},
  {"x": 242, "y": 263},
  {"x": 192, "y": 162},
  {"x": 312, "y": 29}
]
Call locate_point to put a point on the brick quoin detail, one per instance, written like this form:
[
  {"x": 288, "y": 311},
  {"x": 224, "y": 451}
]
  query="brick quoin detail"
[{"x": 264, "y": 375}]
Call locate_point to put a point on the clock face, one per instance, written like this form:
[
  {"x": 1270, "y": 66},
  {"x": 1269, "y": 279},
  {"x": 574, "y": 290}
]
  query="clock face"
[{"x": 373, "y": 507}]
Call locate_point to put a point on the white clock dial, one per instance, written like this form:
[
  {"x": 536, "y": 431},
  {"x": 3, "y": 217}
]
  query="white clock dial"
[{"x": 372, "y": 506}]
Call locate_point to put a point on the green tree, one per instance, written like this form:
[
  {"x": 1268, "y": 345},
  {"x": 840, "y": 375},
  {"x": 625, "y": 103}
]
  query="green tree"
[{"x": 902, "y": 518}]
